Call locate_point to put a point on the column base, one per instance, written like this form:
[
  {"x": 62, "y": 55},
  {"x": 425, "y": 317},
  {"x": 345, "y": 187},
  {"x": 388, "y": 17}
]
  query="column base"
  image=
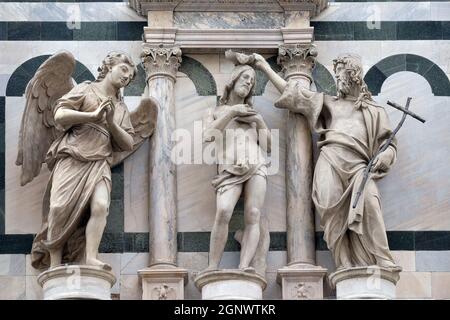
[
  {"x": 233, "y": 284},
  {"x": 76, "y": 282},
  {"x": 163, "y": 282},
  {"x": 301, "y": 281},
  {"x": 371, "y": 282}
]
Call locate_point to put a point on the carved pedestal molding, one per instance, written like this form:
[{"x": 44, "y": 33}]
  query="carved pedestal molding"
[
  {"x": 301, "y": 282},
  {"x": 370, "y": 282},
  {"x": 161, "y": 65},
  {"x": 76, "y": 282},
  {"x": 163, "y": 283},
  {"x": 297, "y": 62},
  {"x": 230, "y": 285}
]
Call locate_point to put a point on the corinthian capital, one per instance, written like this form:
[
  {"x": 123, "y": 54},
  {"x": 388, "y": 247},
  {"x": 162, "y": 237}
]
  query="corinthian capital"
[
  {"x": 159, "y": 61},
  {"x": 297, "y": 60}
]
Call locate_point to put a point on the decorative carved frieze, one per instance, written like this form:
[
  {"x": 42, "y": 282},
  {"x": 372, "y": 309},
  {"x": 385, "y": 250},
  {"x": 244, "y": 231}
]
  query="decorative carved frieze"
[
  {"x": 161, "y": 61},
  {"x": 302, "y": 291},
  {"x": 164, "y": 292}
]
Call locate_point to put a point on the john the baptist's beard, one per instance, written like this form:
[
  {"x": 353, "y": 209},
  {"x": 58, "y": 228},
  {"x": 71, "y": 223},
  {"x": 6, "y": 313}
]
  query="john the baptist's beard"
[{"x": 344, "y": 87}]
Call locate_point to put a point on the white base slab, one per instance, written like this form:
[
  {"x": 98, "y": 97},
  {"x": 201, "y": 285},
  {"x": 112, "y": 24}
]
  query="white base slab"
[
  {"x": 230, "y": 285},
  {"x": 76, "y": 282},
  {"x": 370, "y": 282}
]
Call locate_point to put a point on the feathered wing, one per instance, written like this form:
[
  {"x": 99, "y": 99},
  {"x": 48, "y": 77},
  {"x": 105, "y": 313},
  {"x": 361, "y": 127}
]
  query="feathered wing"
[
  {"x": 51, "y": 81},
  {"x": 143, "y": 119}
]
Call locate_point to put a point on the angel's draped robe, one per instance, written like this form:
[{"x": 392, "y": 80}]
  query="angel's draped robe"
[
  {"x": 339, "y": 171},
  {"x": 79, "y": 159}
]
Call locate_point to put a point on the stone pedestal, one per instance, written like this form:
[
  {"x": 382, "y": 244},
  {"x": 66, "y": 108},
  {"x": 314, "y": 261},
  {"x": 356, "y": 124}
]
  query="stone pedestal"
[
  {"x": 230, "y": 285},
  {"x": 371, "y": 282},
  {"x": 76, "y": 282},
  {"x": 163, "y": 283},
  {"x": 301, "y": 282}
]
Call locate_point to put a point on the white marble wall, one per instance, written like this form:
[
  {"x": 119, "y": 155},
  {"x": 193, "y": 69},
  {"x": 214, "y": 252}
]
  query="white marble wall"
[
  {"x": 116, "y": 11},
  {"x": 416, "y": 194},
  {"x": 90, "y": 53},
  {"x": 51, "y": 11},
  {"x": 386, "y": 11}
]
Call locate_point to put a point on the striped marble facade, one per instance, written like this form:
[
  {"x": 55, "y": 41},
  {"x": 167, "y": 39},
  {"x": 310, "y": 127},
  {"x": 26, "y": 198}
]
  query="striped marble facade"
[{"x": 406, "y": 54}]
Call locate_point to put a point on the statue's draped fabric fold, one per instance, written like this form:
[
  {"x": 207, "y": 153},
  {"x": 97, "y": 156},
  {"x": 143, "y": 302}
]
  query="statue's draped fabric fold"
[
  {"x": 79, "y": 159},
  {"x": 338, "y": 174}
]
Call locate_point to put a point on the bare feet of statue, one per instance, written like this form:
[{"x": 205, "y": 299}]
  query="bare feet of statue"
[
  {"x": 98, "y": 263},
  {"x": 210, "y": 269},
  {"x": 248, "y": 269},
  {"x": 55, "y": 257}
]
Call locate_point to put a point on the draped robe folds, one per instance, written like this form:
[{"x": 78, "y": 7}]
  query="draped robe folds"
[
  {"x": 338, "y": 174},
  {"x": 79, "y": 158}
]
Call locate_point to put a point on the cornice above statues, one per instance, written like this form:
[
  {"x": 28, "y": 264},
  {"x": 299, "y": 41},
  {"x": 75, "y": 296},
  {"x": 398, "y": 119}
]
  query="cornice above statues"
[
  {"x": 313, "y": 6},
  {"x": 222, "y": 39}
]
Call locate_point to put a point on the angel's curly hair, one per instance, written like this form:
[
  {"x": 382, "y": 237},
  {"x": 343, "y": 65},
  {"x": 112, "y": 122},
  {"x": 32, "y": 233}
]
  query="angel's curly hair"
[
  {"x": 353, "y": 65},
  {"x": 111, "y": 60},
  {"x": 237, "y": 71}
]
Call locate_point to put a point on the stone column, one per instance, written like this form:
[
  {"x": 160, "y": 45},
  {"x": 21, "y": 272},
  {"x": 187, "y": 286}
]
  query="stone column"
[
  {"x": 301, "y": 279},
  {"x": 162, "y": 279}
]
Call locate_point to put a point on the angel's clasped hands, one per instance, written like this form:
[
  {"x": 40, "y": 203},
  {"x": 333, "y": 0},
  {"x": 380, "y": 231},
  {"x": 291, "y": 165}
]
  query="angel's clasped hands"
[{"x": 104, "y": 112}]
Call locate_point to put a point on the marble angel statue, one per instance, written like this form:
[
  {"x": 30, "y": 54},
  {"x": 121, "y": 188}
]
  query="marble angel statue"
[{"x": 80, "y": 132}]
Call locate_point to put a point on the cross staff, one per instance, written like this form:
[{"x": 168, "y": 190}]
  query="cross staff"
[{"x": 406, "y": 113}]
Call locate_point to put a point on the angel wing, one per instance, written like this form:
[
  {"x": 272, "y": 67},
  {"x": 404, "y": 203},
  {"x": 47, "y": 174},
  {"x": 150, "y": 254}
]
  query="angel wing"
[
  {"x": 51, "y": 81},
  {"x": 143, "y": 119}
]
